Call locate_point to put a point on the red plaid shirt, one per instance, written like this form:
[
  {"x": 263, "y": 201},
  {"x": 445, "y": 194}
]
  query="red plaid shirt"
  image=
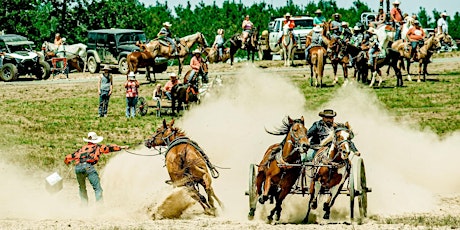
[{"x": 90, "y": 153}]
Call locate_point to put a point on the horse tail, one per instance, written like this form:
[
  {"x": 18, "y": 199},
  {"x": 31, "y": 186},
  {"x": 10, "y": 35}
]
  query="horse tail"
[
  {"x": 130, "y": 63},
  {"x": 320, "y": 61}
]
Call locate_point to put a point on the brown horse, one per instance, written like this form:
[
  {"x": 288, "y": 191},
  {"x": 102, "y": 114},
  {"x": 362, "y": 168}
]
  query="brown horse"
[
  {"x": 333, "y": 167},
  {"x": 187, "y": 164},
  {"x": 338, "y": 56},
  {"x": 430, "y": 45},
  {"x": 276, "y": 179},
  {"x": 251, "y": 45},
  {"x": 141, "y": 59},
  {"x": 318, "y": 56},
  {"x": 161, "y": 48}
]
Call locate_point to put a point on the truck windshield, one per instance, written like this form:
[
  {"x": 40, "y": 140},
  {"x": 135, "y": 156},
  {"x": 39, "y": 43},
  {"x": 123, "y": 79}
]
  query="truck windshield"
[{"x": 303, "y": 24}]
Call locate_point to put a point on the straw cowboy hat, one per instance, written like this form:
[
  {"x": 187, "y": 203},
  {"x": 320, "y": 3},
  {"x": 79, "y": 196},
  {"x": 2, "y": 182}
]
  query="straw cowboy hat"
[
  {"x": 172, "y": 75},
  {"x": 357, "y": 28},
  {"x": 344, "y": 23},
  {"x": 443, "y": 14},
  {"x": 396, "y": 2},
  {"x": 318, "y": 11},
  {"x": 167, "y": 24},
  {"x": 327, "y": 113},
  {"x": 93, "y": 138},
  {"x": 131, "y": 75},
  {"x": 336, "y": 15},
  {"x": 287, "y": 15},
  {"x": 416, "y": 22},
  {"x": 317, "y": 28},
  {"x": 196, "y": 51},
  {"x": 106, "y": 67},
  {"x": 371, "y": 30}
]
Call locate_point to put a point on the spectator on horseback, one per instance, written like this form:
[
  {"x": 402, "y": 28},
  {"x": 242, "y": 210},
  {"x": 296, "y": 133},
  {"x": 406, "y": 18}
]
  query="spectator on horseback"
[
  {"x": 132, "y": 91},
  {"x": 247, "y": 26},
  {"x": 219, "y": 43},
  {"x": 195, "y": 64},
  {"x": 319, "y": 19},
  {"x": 397, "y": 18},
  {"x": 358, "y": 35},
  {"x": 288, "y": 22},
  {"x": 346, "y": 32},
  {"x": 170, "y": 84},
  {"x": 374, "y": 45},
  {"x": 316, "y": 40},
  {"x": 58, "y": 40},
  {"x": 165, "y": 33},
  {"x": 105, "y": 88},
  {"x": 319, "y": 131},
  {"x": 336, "y": 26},
  {"x": 415, "y": 36},
  {"x": 380, "y": 19},
  {"x": 443, "y": 28},
  {"x": 85, "y": 158}
]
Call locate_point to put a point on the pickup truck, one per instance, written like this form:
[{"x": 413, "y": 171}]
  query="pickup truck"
[{"x": 269, "y": 38}]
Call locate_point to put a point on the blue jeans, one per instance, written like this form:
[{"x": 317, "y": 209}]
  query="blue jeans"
[
  {"x": 103, "y": 103},
  {"x": 168, "y": 95},
  {"x": 84, "y": 170},
  {"x": 398, "y": 31},
  {"x": 131, "y": 106}
]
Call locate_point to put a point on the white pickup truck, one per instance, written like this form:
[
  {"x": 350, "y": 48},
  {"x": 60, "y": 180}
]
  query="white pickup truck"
[{"x": 269, "y": 38}]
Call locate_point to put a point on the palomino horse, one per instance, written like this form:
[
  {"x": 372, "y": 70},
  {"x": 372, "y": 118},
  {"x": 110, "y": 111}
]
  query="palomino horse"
[
  {"x": 161, "y": 48},
  {"x": 333, "y": 167},
  {"x": 423, "y": 56},
  {"x": 251, "y": 46},
  {"x": 277, "y": 180},
  {"x": 186, "y": 163},
  {"x": 141, "y": 59},
  {"x": 75, "y": 53},
  {"x": 318, "y": 60},
  {"x": 288, "y": 46},
  {"x": 212, "y": 54}
]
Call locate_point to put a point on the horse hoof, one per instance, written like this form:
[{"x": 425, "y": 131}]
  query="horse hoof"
[
  {"x": 325, "y": 207},
  {"x": 326, "y": 216},
  {"x": 262, "y": 199},
  {"x": 314, "y": 205}
]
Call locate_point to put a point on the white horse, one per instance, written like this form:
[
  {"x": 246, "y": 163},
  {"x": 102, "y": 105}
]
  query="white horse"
[
  {"x": 287, "y": 46},
  {"x": 68, "y": 51},
  {"x": 384, "y": 36}
]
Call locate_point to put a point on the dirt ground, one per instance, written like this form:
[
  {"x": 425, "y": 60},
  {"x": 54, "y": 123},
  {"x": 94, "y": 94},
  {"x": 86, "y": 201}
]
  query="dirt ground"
[{"x": 135, "y": 193}]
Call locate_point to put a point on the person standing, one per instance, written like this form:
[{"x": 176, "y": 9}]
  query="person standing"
[
  {"x": 85, "y": 158},
  {"x": 442, "y": 24},
  {"x": 105, "y": 88},
  {"x": 132, "y": 87}
]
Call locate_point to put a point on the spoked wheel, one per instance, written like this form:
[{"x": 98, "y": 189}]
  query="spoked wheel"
[
  {"x": 362, "y": 188},
  {"x": 142, "y": 107},
  {"x": 351, "y": 190},
  {"x": 252, "y": 192}
]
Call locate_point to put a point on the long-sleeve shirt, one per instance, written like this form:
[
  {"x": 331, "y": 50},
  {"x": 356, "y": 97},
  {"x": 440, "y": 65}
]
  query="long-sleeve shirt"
[
  {"x": 195, "y": 63},
  {"x": 169, "y": 85},
  {"x": 90, "y": 153}
]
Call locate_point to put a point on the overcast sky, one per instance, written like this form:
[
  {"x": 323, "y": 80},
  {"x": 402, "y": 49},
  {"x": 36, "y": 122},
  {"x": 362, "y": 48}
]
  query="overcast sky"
[{"x": 409, "y": 6}]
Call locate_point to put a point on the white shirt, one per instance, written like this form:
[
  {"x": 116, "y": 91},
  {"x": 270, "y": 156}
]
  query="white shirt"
[{"x": 443, "y": 24}]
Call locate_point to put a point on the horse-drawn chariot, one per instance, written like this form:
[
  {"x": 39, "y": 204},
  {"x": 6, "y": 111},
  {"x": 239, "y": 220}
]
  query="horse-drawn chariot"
[{"x": 330, "y": 173}]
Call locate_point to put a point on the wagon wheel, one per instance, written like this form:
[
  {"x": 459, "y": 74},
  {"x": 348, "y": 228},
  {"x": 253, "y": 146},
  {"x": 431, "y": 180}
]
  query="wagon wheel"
[
  {"x": 142, "y": 106},
  {"x": 252, "y": 192},
  {"x": 361, "y": 186},
  {"x": 351, "y": 192}
]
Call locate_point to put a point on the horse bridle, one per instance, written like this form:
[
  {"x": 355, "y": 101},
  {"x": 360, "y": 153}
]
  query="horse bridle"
[
  {"x": 297, "y": 146},
  {"x": 164, "y": 139},
  {"x": 337, "y": 144}
]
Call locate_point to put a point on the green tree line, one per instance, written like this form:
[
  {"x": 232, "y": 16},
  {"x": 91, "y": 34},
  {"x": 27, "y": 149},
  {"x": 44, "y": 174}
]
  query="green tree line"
[{"x": 39, "y": 20}]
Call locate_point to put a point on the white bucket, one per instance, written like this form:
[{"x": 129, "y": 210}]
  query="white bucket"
[{"x": 54, "y": 183}]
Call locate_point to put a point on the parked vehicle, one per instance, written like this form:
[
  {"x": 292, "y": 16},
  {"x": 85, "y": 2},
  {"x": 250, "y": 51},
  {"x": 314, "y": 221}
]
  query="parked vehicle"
[
  {"x": 20, "y": 59},
  {"x": 111, "y": 46},
  {"x": 269, "y": 38}
]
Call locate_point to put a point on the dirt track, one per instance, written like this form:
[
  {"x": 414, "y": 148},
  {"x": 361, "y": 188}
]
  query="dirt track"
[{"x": 132, "y": 184}]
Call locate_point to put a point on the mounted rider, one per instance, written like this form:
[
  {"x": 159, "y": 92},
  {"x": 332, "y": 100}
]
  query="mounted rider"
[
  {"x": 373, "y": 44},
  {"x": 195, "y": 64},
  {"x": 442, "y": 24},
  {"x": 358, "y": 35},
  {"x": 316, "y": 40},
  {"x": 247, "y": 26},
  {"x": 336, "y": 26},
  {"x": 290, "y": 24},
  {"x": 415, "y": 35},
  {"x": 319, "y": 19},
  {"x": 165, "y": 33},
  {"x": 380, "y": 19},
  {"x": 397, "y": 18},
  {"x": 319, "y": 131}
]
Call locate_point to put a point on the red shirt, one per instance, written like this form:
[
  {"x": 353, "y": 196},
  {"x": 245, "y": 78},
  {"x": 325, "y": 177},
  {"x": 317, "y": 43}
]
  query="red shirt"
[
  {"x": 195, "y": 63},
  {"x": 415, "y": 34},
  {"x": 290, "y": 22},
  {"x": 90, "y": 153},
  {"x": 396, "y": 14},
  {"x": 131, "y": 88}
]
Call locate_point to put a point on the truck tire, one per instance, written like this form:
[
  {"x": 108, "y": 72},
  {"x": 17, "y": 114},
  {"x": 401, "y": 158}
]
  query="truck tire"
[
  {"x": 9, "y": 72},
  {"x": 43, "y": 71},
  {"x": 123, "y": 66},
  {"x": 267, "y": 55},
  {"x": 93, "y": 66}
]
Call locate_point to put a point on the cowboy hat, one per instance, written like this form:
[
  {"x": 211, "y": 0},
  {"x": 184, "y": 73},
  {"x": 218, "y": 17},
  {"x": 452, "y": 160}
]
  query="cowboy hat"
[
  {"x": 336, "y": 15},
  {"x": 327, "y": 113},
  {"x": 318, "y": 11},
  {"x": 287, "y": 15},
  {"x": 357, "y": 28},
  {"x": 443, "y": 14},
  {"x": 167, "y": 24},
  {"x": 172, "y": 75},
  {"x": 131, "y": 75},
  {"x": 416, "y": 22},
  {"x": 344, "y": 23},
  {"x": 93, "y": 138},
  {"x": 396, "y": 2},
  {"x": 196, "y": 51},
  {"x": 317, "y": 28},
  {"x": 371, "y": 30},
  {"x": 106, "y": 67}
]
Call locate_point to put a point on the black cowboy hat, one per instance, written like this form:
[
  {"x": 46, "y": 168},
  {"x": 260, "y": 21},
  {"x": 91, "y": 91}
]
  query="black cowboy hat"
[{"x": 327, "y": 113}]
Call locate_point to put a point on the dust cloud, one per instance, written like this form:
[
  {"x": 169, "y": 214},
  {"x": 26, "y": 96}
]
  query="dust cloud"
[{"x": 406, "y": 166}]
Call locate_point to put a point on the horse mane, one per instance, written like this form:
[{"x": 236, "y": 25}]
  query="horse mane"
[
  {"x": 284, "y": 128},
  {"x": 188, "y": 37}
]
